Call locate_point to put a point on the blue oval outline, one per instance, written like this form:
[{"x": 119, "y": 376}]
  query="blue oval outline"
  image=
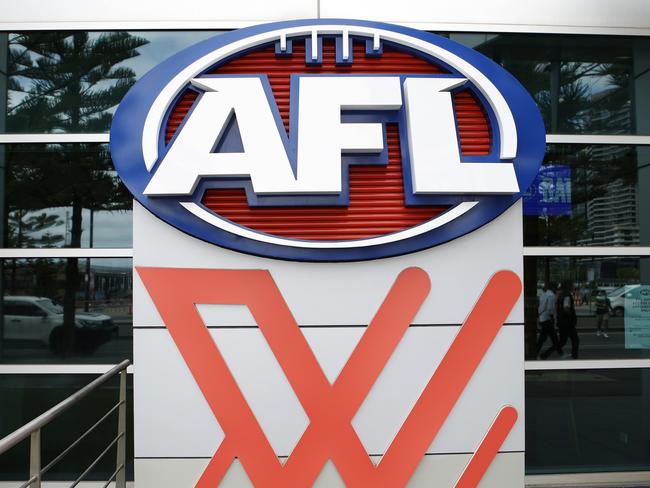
[{"x": 126, "y": 151}]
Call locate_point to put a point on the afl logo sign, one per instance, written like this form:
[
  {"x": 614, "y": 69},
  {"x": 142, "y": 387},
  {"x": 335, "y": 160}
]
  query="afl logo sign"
[{"x": 327, "y": 140}]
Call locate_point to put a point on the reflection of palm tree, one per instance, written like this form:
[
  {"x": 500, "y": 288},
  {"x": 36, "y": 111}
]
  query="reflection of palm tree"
[
  {"x": 534, "y": 75},
  {"x": 576, "y": 91},
  {"x": 573, "y": 95},
  {"x": 30, "y": 231},
  {"x": 68, "y": 82},
  {"x": 606, "y": 103}
]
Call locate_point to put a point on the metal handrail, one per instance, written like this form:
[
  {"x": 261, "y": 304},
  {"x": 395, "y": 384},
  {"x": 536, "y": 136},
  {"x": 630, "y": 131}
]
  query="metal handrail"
[
  {"x": 79, "y": 439},
  {"x": 97, "y": 459},
  {"x": 33, "y": 430}
]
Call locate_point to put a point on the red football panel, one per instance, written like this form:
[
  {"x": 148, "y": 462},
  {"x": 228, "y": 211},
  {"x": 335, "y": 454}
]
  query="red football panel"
[
  {"x": 178, "y": 114},
  {"x": 376, "y": 206},
  {"x": 376, "y": 192}
]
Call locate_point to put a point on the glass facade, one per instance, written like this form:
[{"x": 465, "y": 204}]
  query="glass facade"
[
  {"x": 589, "y": 195},
  {"x": 582, "y": 84},
  {"x": 607, "y": 294},
  {"x": 72, "y": 81},
  {"x": 78, "y": 310},
  {"x": 25, "y": 396},
  {"x": 587, "y": 421},
  {"x": 64, "y": 195},
  {"x": 70, "y": 310}
]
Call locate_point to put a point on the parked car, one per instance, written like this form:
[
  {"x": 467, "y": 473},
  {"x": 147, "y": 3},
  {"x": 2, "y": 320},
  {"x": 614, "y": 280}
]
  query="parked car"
[
  {"x": 40, "y": 319},
  {"x": 617, "y": 298}
]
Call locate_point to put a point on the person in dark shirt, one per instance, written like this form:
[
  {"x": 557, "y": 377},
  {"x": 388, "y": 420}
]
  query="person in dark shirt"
[
  {"x": 603, "y": 308},
  {"x": 566, "y": 318}
]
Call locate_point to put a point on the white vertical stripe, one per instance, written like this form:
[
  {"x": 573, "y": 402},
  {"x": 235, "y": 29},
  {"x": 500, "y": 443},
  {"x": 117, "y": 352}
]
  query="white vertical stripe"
[{"x": 314, "y": 45}]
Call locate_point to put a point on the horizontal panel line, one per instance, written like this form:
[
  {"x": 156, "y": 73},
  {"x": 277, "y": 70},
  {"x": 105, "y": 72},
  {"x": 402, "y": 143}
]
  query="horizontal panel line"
[
  {"x": 529, "y": 366},
  {"x": 163, "y": 24},
  {"x": 526, "y": 28},
  {"x": 58, "y": 368},
  {"x": 597, "y": 139},
  {"x": 67, "y": 252},
  {"x": 617, "y": 479},
  {"x": 587, "y": 364},
  {"x": 104, "y": 138},
  {"x": 595, "y": 251},
  {"x": 128, "y": 252},
  {"x": 171, "y": 24},
  {"x": 52, "y": 138},
  {"x": 542, "y": 251},
  {"x": 369, "y": 454},
  {"x": 459, "y": 453},
  {"x": 316, "y": 326}
]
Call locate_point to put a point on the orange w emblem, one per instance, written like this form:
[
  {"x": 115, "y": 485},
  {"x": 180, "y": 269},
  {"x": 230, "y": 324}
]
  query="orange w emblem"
[{"x": 329, "y": 407}]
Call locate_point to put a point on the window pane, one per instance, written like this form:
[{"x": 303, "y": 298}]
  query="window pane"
[
  {"x": 581, "y": 421},
  {"x": 72, "y": 81},
  {"x": 590, "y": 195},
  {"x": 610, "y": 299},
  {"x": 25, "y": 397},
  {"x": 64, "y": 195},
  {"x": 582, "y": 84},
  {"x": 97, "y": 327}
]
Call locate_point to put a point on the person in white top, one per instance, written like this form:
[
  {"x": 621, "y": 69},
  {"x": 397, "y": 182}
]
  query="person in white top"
[{"x": 547, "y": 311}]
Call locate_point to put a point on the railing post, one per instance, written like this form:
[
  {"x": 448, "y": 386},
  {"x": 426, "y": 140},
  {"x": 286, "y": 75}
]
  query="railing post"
[
  {"x": 35, "y": 458},
  {"x": 120, "y": 478}
]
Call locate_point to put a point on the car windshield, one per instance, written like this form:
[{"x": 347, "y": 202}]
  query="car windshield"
[
  {"x": 617, "y": 291},
  {"x": 50, "y": 306}
]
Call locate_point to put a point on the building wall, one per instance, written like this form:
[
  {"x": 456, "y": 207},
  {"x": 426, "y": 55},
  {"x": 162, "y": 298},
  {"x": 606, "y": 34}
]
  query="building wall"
[
  {"x": 331, "y": 302},
  {"x": 575, "y": 16},
  {"x": 607, "y": 388}
]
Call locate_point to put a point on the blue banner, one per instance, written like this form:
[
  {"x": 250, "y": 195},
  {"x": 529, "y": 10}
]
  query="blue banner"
[{"x": 550, "y": 193}]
